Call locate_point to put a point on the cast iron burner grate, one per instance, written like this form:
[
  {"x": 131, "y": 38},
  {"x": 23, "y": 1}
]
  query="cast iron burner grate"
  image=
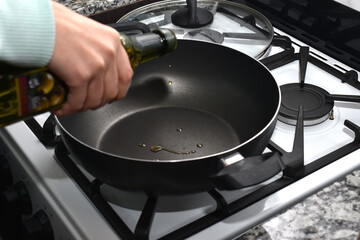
[
  {"x": 294, "y": 170},
  {"x": 325, "y": 25},
  {"x": 317, "y": 103},
  {"x": 312, "y": 98},
  {"x": 293, "y": 162}
]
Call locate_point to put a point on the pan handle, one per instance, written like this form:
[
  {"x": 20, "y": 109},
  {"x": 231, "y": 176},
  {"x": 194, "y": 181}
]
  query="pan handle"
[
  {"x": 130, "y": 28},
  {"x": 248, "y": 171}
]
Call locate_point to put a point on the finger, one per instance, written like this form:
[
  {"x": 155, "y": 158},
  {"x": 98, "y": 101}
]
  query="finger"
[
  {"x": 95, "y": 92},
  {"x": 75, "y": 101},
  {"x": 110, "y": 84}
]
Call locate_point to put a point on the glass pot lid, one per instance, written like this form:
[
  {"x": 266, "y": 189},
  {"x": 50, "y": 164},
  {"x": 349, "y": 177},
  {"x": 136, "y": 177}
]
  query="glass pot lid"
[{"x": 233, "y": 25}]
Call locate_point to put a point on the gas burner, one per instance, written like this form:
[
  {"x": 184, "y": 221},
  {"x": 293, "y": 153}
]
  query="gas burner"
[
  {"x": 317, "y": 103},
  {"x": 316, "y": 106}
]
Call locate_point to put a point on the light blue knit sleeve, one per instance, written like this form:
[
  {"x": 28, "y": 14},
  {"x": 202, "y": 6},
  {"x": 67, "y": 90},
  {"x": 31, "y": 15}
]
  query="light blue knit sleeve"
[{"x": 27, "y": 32}]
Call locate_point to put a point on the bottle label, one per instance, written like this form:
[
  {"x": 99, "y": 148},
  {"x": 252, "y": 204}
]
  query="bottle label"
[
  {"x": 27, "y": 94},
  {"x": 23, "y": 107},
  {"x": 38, "y": 91}
]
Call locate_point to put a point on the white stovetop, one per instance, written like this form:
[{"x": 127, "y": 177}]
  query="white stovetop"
[
  {"x": 65, "y": 199},
  {"x": 355, "y": 4}
]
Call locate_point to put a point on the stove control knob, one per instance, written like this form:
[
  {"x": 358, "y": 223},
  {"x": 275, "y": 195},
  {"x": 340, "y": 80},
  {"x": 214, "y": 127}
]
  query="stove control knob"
[
  {"x": 15, "y": 200},
  {"x": 5, "y": 173},
  {"x": 38, "y": 227}
]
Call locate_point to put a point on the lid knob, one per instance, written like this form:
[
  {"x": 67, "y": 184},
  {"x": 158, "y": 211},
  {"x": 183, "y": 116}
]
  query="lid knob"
[{"x": 192, "y": 16}]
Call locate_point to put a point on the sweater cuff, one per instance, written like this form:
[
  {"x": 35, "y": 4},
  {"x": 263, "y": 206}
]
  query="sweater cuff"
[{"x": 27, "y": 32}]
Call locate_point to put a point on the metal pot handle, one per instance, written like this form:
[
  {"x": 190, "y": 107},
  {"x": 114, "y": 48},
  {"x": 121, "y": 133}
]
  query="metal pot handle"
[{"x": 246, "y": 172}]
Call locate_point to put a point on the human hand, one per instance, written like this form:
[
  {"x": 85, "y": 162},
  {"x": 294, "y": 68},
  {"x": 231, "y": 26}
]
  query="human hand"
[{"x": 90, "y": 59}]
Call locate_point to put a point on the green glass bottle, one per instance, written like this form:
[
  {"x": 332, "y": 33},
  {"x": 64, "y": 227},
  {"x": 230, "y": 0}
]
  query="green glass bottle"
[{"x": 28, "y": 92}]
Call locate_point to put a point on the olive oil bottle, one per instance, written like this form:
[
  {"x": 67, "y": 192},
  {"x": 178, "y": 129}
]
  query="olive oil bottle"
[{"x": 28, "y": 92}]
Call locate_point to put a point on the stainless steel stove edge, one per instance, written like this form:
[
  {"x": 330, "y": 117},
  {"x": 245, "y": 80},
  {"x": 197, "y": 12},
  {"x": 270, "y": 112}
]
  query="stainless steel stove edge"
[{"x": 72, "y": 216}]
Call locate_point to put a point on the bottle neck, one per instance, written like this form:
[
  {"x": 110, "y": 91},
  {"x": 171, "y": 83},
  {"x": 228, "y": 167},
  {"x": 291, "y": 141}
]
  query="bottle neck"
[{"x": 144, "y": 47}]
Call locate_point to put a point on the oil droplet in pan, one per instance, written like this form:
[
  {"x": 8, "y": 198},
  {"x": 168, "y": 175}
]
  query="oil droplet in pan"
[
  {"x": 179, "y": 129},
  {"x": 199, "y": 145},
  {"x": 142, "y": 145},
  {"x": 158, "y": 148},
  {"x": 170, "y": 82}
]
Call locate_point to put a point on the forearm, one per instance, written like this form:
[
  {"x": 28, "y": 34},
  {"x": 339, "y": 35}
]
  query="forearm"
[{"x": 27, "y": 32}]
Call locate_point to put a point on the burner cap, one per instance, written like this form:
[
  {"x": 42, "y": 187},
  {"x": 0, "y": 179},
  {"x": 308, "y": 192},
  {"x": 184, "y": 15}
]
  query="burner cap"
[{"x": 315, "y": 106}]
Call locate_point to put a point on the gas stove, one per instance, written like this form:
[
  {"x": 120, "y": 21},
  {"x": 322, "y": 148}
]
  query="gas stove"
[{"x": 46, "y": 193}]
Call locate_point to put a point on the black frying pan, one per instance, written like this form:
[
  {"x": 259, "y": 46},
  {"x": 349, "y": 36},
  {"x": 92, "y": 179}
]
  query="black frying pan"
[{"x": 187, "y": 114}]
